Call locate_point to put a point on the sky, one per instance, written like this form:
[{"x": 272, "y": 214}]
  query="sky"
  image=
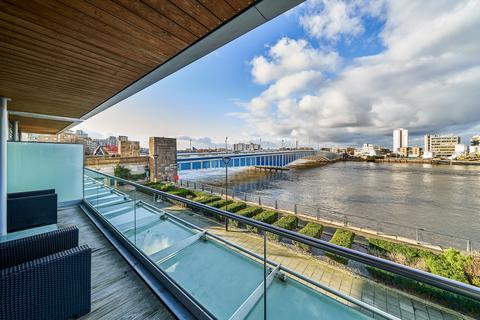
[{"x": 326, "y": 73}]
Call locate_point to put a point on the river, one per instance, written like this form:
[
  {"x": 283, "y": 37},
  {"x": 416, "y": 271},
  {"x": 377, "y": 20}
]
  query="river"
[{"x": 441, "y": 198}]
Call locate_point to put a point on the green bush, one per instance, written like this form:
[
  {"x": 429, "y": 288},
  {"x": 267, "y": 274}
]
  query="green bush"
[
  {"x": 450, "y": 264},
  {"x": 411, "y": 254},
  {"x": 343, "y": 238},
  {"x": 443, "y": 297},
  {"x": 181, "y": 192},
  {"x": 264, "y": 216},
  {"x": 206, "y": 199},
  {"x": 247, "y": 212},
  {"x": 218, "y": 204},
  {"x": 234, "y": 207},
  {"x": 311, "y": 229},
  {"x": 288, "y": 222}
]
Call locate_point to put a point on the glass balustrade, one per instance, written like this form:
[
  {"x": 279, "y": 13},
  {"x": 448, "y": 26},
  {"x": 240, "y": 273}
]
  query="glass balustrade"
[{"x": 226, "y": 273}]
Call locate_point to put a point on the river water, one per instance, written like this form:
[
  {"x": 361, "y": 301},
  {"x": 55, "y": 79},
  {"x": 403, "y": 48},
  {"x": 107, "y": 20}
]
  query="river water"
[{"x": 441, "y": 198}]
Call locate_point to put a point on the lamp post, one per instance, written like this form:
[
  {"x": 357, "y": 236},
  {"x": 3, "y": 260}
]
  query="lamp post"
[
  {"x": 226, "y": 160},
  {"x": 155, "y": 159}
]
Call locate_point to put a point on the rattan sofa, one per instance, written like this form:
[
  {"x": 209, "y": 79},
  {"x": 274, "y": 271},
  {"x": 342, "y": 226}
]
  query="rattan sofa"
[{"x": 46, "y": 276}]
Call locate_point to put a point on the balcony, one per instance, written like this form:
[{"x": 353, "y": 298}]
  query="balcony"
[{"x": 153, "y": 254}]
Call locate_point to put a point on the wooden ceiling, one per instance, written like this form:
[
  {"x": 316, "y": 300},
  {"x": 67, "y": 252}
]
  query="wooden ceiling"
[{"x": 66, "y": 57}]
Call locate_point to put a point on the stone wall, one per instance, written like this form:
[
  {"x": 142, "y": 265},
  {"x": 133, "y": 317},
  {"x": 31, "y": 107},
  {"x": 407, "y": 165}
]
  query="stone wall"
[{"x": 166, "y": 151}]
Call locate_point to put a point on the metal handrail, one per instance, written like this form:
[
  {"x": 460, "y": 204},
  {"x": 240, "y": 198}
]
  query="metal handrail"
[
  {"x": 405, "y": 271},
  {"x": 183, "y": 222}
]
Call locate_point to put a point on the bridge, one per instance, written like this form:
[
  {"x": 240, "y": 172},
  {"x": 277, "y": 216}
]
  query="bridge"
[{"x": 279, "y": 158}]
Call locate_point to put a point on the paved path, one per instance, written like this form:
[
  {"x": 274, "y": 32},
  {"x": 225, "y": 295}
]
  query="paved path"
[{"x": 393, "y": 301}]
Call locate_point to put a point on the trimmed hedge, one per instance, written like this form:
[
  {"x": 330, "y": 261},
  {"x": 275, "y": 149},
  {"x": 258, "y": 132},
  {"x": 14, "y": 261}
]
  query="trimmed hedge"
[
  {"x": 343, "y": 238},
  {"x": 311, "y": 229},
  {"x": 181, "y": 192},
  {"x": 288, "y": 222},
  {"x": 445, "y": 298},
  {"x": 234, "y": 207},
  {"x": 410, "y": 253},
  {"x": 206, "y": 199},
  {"x": 219, "y": 204},
  {"x": 246, "y": 212},
  {"x": 266, "y": 217}
]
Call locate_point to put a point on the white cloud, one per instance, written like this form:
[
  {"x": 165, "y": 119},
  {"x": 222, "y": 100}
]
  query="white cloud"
[
  {"x": 427, "y": 79},
  {"x": 332, "y": 19},
  {"x": 288, "y": 56}
]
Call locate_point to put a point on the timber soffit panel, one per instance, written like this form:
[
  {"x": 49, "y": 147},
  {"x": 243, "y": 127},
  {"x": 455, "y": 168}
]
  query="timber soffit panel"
[{"x": 67, "y": 57}]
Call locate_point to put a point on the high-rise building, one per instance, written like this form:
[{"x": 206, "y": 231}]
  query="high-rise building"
[
  {"x": 400, "y": 139},
  {"x": 441, "y": 146}
]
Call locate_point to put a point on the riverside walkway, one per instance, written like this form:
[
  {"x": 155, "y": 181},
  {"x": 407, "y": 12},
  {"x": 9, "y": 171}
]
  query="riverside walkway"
[{"x": 391, "y": 300}]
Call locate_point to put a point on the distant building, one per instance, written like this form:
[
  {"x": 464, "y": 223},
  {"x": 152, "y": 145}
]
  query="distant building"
[
  {"x": 460, "y": 150},
  {"x": 474, "y": 150},
  {"x": 128, "y": 148},
  {"x": 441, "y": 146},
  {"x": 122, "y": 138},
  {"x": 400, "y": 139},
  {"x": 241, "y": 147},
  {"x": 163, "y": 158},
  {"x": 411, "y": 152},
  {"x": 371, "y": 150},
  {"x": 415, "y": 152}
]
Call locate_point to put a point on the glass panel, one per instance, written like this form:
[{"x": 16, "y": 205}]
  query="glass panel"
[
  {"x": 226, "y": 278},
  {"x": 37, "y": 166}
]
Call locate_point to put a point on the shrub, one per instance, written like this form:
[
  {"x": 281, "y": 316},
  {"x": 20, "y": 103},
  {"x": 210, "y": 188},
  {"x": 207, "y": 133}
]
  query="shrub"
[
  {"x": 234, "y": 207},
  {"x": 287, "y": 222},
  {"x": 450, "y": 264},
  {"x": 247, "y": 212},
  {"x": 443, "y": 297},
  {"x": 473, "y": 270},
  {"x": 343, "y": 238},
  {"x": 206, "y": 199},
  {"x": 311, "y": 229},
  {"x": 411, "y": 254},
  {"x": 181, "y": 192},
  {"x": 264, "y": 216},
  {"x": 218, "y": 204}
]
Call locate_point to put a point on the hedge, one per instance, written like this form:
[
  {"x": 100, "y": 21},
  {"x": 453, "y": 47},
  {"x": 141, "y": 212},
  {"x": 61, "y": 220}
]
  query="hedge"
[
  {"x": 266, "y": 217},
  {"x": 410, "y": 253},
  {"x": 234, "y": 207},
  {"x": 247, "y": 212},
  {"x": 182, "y": 192},
  {"x": 288, "y": 222},
  {"x": 450, "y": 264},
  {"x": 443, "y": 297},
  {"x": 206, "y": 199},
  {"x": 343, "y": 238},
  {"x": 219, "y": 204},
  {"x": 311, "y": 229}
]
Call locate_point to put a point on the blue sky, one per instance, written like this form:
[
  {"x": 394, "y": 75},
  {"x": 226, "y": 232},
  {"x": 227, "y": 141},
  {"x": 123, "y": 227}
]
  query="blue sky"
[{"x": 354, "y": 51}]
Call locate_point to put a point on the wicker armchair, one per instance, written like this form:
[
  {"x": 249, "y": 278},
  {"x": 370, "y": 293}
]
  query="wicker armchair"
[{"x": 45, "y": 276}]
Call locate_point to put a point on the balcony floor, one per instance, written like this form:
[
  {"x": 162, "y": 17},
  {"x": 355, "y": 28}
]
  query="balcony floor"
[{"x": 117, "y": 291}]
